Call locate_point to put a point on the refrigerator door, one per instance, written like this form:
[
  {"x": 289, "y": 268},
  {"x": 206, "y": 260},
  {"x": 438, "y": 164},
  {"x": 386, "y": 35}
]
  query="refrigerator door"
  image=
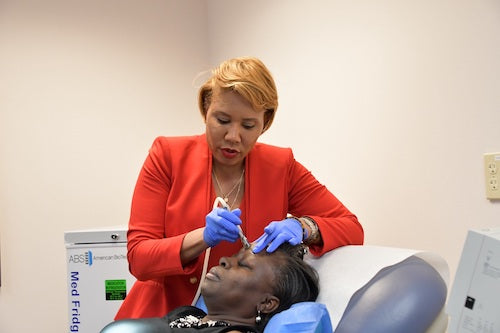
[{"x": 98, "y": 281}]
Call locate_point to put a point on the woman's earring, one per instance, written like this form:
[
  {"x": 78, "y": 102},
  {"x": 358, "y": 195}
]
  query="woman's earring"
[{"x": 258, "y": 319}]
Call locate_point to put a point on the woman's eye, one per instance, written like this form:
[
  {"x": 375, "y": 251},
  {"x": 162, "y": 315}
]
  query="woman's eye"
[
  {"x": 222, "y": 121},
  {"x": 248, "y": 126}
]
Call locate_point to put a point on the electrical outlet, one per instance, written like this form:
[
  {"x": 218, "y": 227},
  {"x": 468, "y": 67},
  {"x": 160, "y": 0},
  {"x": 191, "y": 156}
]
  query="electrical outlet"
[{"x": 492, "y": 174}]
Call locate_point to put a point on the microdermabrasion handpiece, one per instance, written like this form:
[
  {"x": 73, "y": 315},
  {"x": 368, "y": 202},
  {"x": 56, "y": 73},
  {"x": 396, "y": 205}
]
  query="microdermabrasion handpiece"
[
  {"x": 244, "y": 240},
  {"x": 224, "y": 204}
]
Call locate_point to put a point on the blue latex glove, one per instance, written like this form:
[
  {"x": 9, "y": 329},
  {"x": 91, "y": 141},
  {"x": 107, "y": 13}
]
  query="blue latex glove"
[
  {"x": 277, "y": 233},
  {"x": 221, "y": 224}
]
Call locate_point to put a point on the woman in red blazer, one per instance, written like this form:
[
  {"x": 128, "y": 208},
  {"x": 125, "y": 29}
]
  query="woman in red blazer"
[{"x": 175, "y": 232}]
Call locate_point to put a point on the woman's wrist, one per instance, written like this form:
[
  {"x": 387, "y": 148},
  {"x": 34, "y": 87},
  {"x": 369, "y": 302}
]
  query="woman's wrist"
[
  {"x": 192, "y": 246},
  {"x": 313, "y": 235},
  {"x": 310, "y": 230},
  {"x": 305, "y": 232}
]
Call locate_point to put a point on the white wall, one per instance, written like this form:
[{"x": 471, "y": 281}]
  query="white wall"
[
  {"x": 390, "y": 103},
  {"x": 85, "y": 86}
]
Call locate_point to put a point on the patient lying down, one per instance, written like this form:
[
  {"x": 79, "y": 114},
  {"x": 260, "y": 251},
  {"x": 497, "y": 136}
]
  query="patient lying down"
[{"x": 245, "y": 291}]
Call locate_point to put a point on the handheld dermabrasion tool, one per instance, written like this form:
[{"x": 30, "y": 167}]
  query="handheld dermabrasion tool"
[
  {"x": 244, "y": 241},
  {"x": 224, "y": 205}
]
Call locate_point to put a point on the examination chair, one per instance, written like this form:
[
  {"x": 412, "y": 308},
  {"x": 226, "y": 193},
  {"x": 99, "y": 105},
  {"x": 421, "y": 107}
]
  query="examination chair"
[{"x": 363, "y": 289}]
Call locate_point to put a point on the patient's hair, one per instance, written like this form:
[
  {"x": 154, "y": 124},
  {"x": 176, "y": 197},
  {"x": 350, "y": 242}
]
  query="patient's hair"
[{"x": 296, "y": 280}]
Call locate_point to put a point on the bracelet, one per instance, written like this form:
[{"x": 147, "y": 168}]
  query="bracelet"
[{"x": 314, "y": 229}]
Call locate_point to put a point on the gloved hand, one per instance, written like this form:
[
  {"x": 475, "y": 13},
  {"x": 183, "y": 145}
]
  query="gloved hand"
[
  {"x": 221, "y": 224},
  {"x": 278, "y": 232}
]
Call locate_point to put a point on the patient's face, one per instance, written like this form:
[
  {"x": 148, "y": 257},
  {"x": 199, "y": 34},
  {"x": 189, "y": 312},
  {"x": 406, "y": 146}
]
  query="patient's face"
[{"x": 240, "y": 281}]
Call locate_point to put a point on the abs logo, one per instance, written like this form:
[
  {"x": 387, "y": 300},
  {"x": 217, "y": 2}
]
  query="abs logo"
[{"x": 84, "y": 258}]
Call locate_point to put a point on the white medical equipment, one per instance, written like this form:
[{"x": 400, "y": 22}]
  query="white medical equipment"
[
  {"x": 474, "y": 303},
  {"x": 98, "y": 278}
]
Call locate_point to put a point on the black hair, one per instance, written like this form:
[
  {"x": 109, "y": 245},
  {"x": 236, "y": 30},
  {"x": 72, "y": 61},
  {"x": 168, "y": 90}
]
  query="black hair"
[{"x": 295, "y": 280}]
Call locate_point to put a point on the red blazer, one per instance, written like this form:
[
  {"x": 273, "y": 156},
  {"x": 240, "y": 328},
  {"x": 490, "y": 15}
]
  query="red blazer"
[{"x": 174, "y": 193}]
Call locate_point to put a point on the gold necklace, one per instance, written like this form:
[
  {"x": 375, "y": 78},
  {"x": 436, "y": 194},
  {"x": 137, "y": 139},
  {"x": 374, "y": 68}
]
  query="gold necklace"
[
  {"x": 238, "y": 192},
  {"x": 237, "y": 185}
]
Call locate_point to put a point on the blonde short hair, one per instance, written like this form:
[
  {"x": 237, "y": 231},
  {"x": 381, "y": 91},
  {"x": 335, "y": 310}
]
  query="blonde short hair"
[{"x": 247, "y": 76}]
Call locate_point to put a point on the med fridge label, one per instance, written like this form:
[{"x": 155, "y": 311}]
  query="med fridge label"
[{"x": 116, "y": 290}]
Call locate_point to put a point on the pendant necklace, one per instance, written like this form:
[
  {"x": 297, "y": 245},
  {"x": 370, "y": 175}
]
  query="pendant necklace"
[{"x": 237, "y": 185}]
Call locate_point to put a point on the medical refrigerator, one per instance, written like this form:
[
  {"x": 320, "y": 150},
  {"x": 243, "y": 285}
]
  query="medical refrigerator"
[
  {"x": 474, "y": 302},
  {"x": 97, "y": 276}
]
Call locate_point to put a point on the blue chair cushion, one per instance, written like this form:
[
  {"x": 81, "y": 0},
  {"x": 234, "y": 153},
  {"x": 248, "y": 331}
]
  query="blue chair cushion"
[{"x": 304, "y": 317}]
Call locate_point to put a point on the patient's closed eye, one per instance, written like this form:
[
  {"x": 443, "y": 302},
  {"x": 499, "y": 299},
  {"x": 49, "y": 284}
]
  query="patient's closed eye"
[{"x": 243, "y": 264}]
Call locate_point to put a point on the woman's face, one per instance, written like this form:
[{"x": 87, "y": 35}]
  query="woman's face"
[
  {"x": 232, "y": 127},
  {"x": 239, "y": 283}
]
